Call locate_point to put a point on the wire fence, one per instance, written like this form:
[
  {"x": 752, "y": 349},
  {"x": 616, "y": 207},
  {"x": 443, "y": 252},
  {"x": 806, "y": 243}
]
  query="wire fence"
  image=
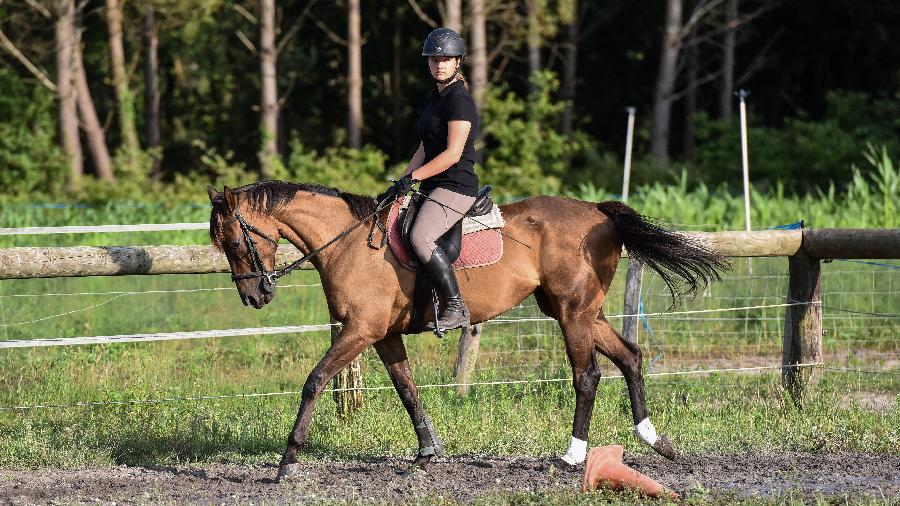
[{"x": 735, "y": 326}]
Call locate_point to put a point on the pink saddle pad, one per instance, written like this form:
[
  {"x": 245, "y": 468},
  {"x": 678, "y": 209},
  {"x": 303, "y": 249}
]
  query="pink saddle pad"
[{"x": 480, "y": 248}]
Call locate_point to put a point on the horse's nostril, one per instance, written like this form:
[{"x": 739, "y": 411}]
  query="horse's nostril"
[{"x": 252, "y": 300}]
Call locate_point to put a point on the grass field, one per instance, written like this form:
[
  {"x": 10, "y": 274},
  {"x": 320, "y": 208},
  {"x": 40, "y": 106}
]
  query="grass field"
[{"x": 151, "y": 409}]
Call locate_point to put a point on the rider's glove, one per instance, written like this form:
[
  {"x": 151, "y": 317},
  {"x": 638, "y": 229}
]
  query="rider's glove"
[{"x": 399, "y": 187}]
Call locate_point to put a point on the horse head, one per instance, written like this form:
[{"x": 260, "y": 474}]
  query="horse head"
[{"x": 249, "y": 237}]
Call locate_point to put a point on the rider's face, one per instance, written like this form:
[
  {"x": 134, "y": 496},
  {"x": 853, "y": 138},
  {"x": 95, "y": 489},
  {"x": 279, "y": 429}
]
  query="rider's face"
[{"x": 442, "y": 67}]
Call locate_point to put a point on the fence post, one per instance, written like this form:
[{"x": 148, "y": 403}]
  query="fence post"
[
  {"x": 632, "y": 299},
  {"x": 803, "y": 325},
  {"x": 347, "y": 401},
  {"x": 469, "y": 343}
]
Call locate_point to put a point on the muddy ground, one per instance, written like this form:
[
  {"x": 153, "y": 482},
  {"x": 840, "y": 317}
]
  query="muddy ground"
[{"x": 460, "y": 479}]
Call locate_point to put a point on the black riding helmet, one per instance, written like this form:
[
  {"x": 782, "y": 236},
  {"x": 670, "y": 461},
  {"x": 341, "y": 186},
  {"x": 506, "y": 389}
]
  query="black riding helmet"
[{"x": 445, "y": 42}]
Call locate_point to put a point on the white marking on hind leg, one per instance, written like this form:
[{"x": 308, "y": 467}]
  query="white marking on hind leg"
[
  {"x": 576, "y": 453},
  {"x": 646, "y": 432}
]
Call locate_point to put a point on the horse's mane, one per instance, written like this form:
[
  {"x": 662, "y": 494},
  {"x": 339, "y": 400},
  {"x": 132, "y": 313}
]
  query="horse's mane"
[{"x": 267, "y": 197}]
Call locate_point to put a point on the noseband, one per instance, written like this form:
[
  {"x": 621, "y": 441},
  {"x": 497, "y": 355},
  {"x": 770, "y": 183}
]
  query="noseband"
[{"x": 269, "y": 277}]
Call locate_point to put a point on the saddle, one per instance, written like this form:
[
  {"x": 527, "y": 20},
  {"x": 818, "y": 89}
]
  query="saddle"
[
  {"x": 424, "y": 296},
  {"x": 451, "y": 241}
]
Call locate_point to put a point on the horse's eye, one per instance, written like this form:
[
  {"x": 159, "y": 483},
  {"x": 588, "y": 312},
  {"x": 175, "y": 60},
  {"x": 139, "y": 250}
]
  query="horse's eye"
[{"x": 236, "y": 244}]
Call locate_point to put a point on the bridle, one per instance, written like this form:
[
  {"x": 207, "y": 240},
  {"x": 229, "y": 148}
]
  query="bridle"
[{"x": 269, "y": 277}]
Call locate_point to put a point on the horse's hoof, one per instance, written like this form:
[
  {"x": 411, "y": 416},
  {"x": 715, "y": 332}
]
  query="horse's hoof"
[
  {"x": 287, "y": 472},
  {"x": 418, "y": 466},
  {"x": 665, "y": 447},
  {"x": 561, "y": 463}
]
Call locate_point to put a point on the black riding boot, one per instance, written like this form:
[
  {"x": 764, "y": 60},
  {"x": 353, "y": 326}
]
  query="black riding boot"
[{"x": 455, "y": 313}]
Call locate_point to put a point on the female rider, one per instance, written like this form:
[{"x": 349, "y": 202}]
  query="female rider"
[{"x": 444, "y": 163}]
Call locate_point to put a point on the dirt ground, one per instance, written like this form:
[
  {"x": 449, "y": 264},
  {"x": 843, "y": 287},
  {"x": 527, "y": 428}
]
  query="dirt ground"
[{"x": 460, "y": 479}]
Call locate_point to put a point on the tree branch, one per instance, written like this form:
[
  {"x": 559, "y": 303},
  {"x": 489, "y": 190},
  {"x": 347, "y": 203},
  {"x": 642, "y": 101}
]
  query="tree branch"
[
  {"x": 737, "y": 23},
  {"x": 696, "y": 84},
  {"x": 702, "y": 9},
  {"x": 295, "y": 27},
  {"x": 14, "y": 51},
  {"x": 424, "y": 17},
  {"x": 247, "y": 42},
  {"x": 331, "y": 35},
  {"x": 245, "y": 13},
  {"x": 40, "y": 8},
  {"x": 759, "y": 60}
]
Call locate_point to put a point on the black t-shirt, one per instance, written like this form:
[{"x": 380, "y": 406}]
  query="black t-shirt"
[{"x": 454, "y": 103}]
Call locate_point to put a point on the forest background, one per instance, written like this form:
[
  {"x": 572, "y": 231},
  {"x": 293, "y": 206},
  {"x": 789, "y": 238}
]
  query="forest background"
[{"x": 120, "y": 100}]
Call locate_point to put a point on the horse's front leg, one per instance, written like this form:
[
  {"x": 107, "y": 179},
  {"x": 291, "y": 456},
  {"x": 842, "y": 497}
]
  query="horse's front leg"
[
  {"x": 347, "y": 346},
  {"x": 393, "y": 353},
  {"x": 627, "y": 357}
]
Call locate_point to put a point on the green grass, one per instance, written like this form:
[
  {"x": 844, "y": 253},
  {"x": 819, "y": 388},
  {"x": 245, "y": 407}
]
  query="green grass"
[{"x": 709, "y": 413}]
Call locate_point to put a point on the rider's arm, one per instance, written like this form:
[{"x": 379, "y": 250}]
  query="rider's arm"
[
  {"x": 457, "y": 134},
  {"x": 416, "y": 160}
]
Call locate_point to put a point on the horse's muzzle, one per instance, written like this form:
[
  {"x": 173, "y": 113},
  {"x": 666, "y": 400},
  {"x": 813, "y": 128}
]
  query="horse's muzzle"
[{"x": 257, "y": 300}]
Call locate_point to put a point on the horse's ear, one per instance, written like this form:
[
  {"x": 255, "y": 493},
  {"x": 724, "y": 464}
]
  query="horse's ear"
[
  {"x": 214, "y": 196},
  {"x": 230, "y": 198}
]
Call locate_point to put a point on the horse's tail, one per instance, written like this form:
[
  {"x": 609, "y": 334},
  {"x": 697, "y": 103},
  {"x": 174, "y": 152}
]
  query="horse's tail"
[{"x": 685, "y": 264}]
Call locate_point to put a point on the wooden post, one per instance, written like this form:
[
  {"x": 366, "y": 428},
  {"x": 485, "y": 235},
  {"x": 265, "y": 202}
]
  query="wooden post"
[
  {"x": 803, "y": 325},
  {"x": 347, "y": 401},
  {"x": 632, "y": 299},
  {"x": 469, "y": 343}
]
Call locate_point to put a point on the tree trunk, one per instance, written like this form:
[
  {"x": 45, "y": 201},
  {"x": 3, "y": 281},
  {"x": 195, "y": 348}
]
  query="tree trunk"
[
  {"x": 68, "y": 113},
  {"x": 124, "y": 95},
  {"x": 690, "y": 102},
  {"x": 151, "y": 89},
  {"x": 397, "y": 127},
  {"x": 268, "y": 58},
  {"x": 454, "y": 15},
  {"x": 570, "y": 67},
  {"x": 726, "y": 92},
  {"x": 478, "y": 51},
  {"x": 89, "y": 120},
  {"x": 665, "y": 81},
  {"x": 354, "y": 90},
  {"x": 534, "y": 43}
]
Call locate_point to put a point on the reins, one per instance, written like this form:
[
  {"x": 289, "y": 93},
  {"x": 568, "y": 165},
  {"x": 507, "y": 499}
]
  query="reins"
[{"x": 271, "y": 277}]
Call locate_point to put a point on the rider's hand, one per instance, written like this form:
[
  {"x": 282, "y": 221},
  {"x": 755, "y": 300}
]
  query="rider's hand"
[{"x": 399, "y": 187}]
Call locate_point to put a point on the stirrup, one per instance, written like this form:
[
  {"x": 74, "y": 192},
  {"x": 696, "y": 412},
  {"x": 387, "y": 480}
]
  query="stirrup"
[
  {"x": 439, "y": 330},
  {"x": 437, "y": 317}
]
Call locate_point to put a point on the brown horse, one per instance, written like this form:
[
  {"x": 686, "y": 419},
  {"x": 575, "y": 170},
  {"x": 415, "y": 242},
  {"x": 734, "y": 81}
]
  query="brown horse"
[{"x": 563, "y": 251}]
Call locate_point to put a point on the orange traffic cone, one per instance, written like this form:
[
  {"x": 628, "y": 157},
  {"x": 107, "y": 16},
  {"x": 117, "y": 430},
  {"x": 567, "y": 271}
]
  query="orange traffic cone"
[{"x": 604, "y": 468}]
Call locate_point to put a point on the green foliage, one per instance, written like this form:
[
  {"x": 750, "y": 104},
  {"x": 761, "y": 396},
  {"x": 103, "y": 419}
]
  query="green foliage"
[
  {"x": 870, "y": 200},
  {"x": 525, "y": 153},
  {"x": 32, "y": 166},
  {"x": 359, "y": 171},
  {"x": 803, "y": 154}
]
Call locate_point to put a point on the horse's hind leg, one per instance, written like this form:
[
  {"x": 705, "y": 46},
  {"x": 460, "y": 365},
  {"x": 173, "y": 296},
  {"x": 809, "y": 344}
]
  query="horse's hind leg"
[
  {"x": 627, "y": 357},
  {"x": 393, "y": 353},
  {"x": 585, "y": 376}
]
